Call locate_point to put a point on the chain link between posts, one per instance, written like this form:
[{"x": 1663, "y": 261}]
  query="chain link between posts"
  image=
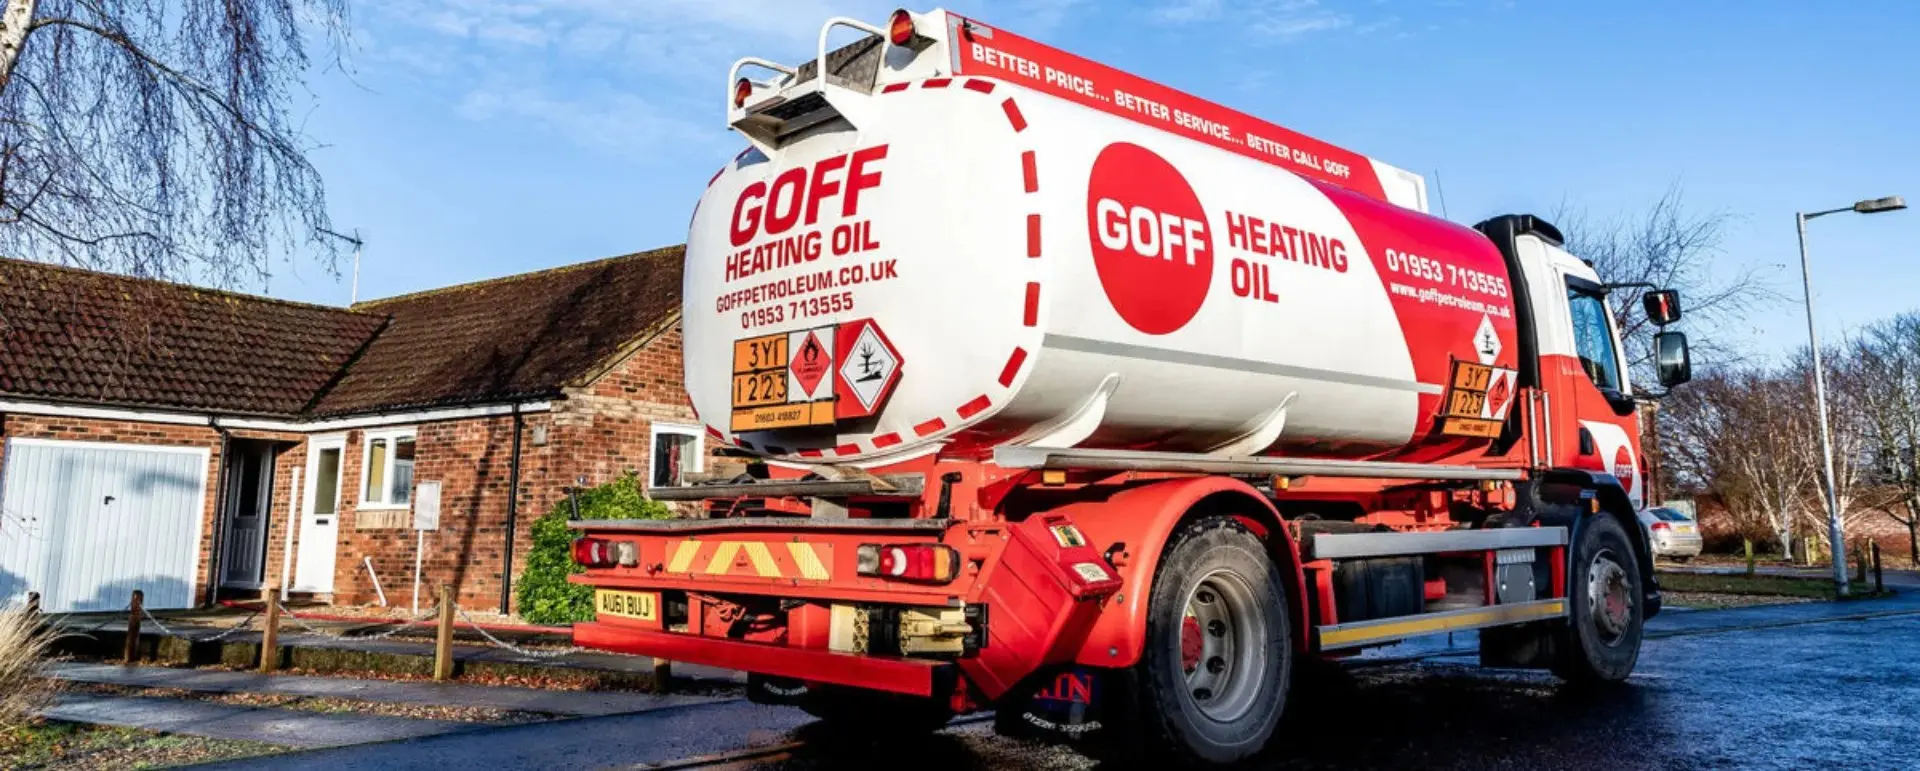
[
  {"x": 398, "y": 627},
  {"x": 529, "y": 653},
  {"x": 103, "y": 623},
  {"x": 244, "y": 624}
]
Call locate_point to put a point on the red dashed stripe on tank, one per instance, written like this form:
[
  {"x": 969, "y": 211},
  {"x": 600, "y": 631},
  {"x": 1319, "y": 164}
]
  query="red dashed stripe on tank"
[
  {"x": 1030, "y": 309},
  {"x": 978, "y": 405},
  {"x": 1013, "y": 115},
  {"x": 1013, "y": 366}
]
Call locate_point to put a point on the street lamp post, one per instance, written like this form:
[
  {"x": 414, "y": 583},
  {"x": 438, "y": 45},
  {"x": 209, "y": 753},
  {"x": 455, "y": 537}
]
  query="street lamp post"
[{"x": 1835, "y": 536}]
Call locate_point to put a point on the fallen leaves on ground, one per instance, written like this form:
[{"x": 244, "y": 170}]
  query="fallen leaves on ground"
[
  {"x": 57, "y": 744},
  {"x": 1715, "y": 600},
  {"x": 323, "y": 704}
]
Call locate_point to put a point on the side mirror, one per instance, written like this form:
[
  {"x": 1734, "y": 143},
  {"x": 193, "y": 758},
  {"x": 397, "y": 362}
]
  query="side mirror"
[
  {"x": 1671, "y": 358},
  {"x": 1663, "y": 306}
]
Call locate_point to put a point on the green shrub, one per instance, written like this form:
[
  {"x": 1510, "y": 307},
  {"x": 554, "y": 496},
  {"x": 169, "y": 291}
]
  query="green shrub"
[{"x": 545, "y": 596}]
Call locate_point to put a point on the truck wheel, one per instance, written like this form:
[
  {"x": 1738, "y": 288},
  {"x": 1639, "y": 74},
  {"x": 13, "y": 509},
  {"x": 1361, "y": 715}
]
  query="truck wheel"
[
  {"x": 880, "y": 714},
  {"x": 1213, "y": 678},
  {"x": 1602, "y": 638}
]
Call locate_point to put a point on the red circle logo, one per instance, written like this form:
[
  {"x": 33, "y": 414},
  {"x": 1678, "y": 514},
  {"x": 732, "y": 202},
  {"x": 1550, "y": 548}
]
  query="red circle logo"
[
  {"x": 1150, "y": 240},
  {"x": 1623, "y": 468}
]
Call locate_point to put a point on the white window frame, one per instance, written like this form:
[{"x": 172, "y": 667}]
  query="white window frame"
[
  {"x": 392, "y": 435},
  {"x": 693, "y": 465}
]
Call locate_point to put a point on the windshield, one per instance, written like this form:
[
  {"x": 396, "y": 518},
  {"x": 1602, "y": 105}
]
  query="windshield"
[
  {"x": 1593, "y": 339},
  {"x": 1670, "y": 515}
]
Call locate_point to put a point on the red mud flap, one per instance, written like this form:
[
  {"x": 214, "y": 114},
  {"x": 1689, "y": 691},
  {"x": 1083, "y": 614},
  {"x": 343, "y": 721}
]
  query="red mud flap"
[{"x": 879, "y": 673}]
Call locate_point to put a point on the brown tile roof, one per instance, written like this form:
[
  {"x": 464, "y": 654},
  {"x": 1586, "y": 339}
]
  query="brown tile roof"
[
  {"x": 76, "y": 335},
  {"x": 519, "y": 337}
]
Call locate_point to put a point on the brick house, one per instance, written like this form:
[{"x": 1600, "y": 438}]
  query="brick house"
[{"x": 196, "y": 443}]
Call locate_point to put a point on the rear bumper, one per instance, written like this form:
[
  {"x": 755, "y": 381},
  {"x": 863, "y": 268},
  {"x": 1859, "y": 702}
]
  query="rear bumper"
[
  {"x": 1678, "y": 546},
  {"x": 894, "y": 675}
]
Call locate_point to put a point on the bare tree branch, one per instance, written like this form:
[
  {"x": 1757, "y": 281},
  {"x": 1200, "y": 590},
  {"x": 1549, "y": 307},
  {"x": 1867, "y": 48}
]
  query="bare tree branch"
[
  {"x": 157, "y": 139},
  {"x": 1669, "y": 246}
]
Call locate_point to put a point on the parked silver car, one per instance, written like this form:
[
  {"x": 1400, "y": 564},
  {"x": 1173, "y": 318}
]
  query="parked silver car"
[{"x": 1673, "y": 534}]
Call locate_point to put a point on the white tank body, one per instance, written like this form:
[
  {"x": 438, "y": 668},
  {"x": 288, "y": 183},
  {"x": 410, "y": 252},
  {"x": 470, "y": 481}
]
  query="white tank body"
[{"x": 1045, "y": 272}]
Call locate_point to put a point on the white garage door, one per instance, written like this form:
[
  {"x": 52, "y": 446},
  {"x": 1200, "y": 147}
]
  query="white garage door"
[{"x": 86, "y": 523}]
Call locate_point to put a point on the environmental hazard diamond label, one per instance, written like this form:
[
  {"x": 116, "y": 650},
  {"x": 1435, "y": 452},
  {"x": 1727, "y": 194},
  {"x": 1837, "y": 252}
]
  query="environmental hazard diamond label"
[
  {"x": 869, "y": 368},
  {"x": 1486, "y": 342}
]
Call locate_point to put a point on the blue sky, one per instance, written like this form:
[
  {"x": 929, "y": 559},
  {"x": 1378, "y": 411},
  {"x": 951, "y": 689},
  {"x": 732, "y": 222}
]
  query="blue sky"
[{"x": 469, "y": 139}]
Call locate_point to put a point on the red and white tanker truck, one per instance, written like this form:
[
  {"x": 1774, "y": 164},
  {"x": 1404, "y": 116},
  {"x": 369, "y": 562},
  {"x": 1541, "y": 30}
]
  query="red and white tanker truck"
[{"x": 1084, "y": 400}]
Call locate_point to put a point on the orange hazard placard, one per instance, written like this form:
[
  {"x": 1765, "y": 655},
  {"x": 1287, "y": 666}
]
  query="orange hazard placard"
[
  {"x": 783, "y": 380},
  {"x": 1476, "y": 401}
]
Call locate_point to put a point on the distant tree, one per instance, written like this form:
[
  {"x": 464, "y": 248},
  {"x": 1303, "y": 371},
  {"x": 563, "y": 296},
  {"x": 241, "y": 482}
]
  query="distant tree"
[
  {"x": 155, "y": 138},
  {"x": 1851, "y": 390},
  {"x": 1736, "y": 432},
  {"x": 1671, "y": 247},
  {"x": 1889, "y": 354}
]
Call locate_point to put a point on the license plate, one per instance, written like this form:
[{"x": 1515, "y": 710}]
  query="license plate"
[
  {"x": 1683, "y": 528},
  {"x": 643, "y": 606}
]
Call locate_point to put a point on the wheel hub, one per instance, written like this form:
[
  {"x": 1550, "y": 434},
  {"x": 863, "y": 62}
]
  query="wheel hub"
[
  {"x": 1221, "y": 639},
  {"x": 1609, "y": 599}
]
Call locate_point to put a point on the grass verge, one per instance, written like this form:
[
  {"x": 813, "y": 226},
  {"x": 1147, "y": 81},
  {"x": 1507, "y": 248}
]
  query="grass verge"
[
  {"x": 58, "y": 744},
  {"x": 1775, "y": 586}
]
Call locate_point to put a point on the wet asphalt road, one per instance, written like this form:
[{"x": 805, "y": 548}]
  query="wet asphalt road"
[{"x": 1751, "y": 688}]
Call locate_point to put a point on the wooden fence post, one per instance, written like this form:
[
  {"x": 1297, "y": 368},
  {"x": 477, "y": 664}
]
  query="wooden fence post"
[
  {"x": 270, "y": 634},
  {"x": 1749, "y": 546},
  {"x": 662, "y": 675},
  {"x": 134, "y": 609},
  {"x": 1879, "y": 578},
  {"x": 443, "y": 637}
]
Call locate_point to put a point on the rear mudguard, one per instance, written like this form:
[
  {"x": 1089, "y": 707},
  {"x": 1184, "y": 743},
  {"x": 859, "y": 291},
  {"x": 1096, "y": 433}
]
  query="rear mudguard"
[{"x": 1133, "y": 526}]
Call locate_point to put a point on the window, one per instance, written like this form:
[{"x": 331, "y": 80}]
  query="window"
[
  {"x": 387, "y": 469},
  {"x": 1593, "y": 339},
  {"x": 1670, "y": 515},
  {"x": 676, "y": 452}
]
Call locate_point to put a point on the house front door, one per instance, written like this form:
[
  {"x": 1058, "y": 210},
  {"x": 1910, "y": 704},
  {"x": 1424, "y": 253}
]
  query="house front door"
[
  {"x": 320, "y": 516},
  {"x": 248, "y": 505}
]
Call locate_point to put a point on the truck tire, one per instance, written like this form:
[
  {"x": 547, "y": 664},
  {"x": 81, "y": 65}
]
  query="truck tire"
[
  {"x": 1212, "y": 680},
  {"x": 1601, "y": 642},
  {"x": 875, "y": 713}
]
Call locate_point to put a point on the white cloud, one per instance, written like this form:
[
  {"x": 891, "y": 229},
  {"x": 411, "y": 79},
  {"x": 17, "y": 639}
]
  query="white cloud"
[
  {"x": 620, "y": 75},
  {"x": 622, "y": 124},
  {"x": 1188, "y": 11},
  {"x": 1285, "y": 20}
]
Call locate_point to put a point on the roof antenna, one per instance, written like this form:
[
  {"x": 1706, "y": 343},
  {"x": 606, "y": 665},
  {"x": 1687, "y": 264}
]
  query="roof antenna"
[
  {"x": 1442, "y": 192},
  {"x": 353, "y": 299}
]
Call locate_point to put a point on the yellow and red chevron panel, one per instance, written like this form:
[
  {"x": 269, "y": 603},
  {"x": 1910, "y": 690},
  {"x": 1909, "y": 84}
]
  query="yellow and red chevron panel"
[{"x": 778, "y": 560}]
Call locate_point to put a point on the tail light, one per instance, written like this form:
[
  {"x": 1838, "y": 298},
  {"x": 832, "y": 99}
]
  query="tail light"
[
  {"x": 900, "y": 28},
  {"x": 742, "y": 89},
  {"x": 603, "y": 553},
  {"x": 930, "y": 563},
  {"x": 1659, "y": 526}
]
